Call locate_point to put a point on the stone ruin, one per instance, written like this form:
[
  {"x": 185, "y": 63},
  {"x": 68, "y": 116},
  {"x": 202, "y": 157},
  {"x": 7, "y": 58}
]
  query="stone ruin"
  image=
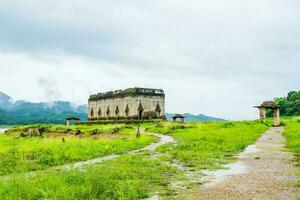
[{"x": 263, "y": 111}]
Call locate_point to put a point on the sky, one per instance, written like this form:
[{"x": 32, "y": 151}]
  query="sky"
[{"x": 214, "y": 57}]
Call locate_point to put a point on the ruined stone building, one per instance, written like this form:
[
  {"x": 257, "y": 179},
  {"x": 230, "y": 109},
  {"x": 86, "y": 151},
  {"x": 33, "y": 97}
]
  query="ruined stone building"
[{"x": 131, "y": 103}]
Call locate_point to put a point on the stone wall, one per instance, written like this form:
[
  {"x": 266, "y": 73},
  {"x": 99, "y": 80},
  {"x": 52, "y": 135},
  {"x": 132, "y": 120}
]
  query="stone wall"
[{"x": 98, "y": 109}]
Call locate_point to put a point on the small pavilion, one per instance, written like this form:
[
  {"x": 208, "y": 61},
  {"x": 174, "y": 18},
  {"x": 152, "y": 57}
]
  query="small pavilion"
[
  {"x": 71, "y": 118},
  {"x": 180, "y": 116},
  {"x": 269, "y": 105}
]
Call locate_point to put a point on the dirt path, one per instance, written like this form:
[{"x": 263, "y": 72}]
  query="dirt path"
[{"x": 262, "y": 171}]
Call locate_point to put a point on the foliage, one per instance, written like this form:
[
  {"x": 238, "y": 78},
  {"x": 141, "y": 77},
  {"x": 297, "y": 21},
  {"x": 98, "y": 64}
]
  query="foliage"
[
  {"x": 292, "y": 134},
  {"x": 290, "y": 105}
]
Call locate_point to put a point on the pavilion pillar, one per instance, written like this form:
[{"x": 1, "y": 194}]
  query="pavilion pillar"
[
  {"x": 276, "y": 117},
  {"x": 262, "y": 113}
]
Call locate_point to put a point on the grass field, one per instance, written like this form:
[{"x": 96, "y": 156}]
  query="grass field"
[
  {"x": 128, "y": 177},
  {"x": 292, "y": 134},
  {"x": 199, "y": 145},
  {"x": 23, "y": 154},
  {"x": 210, "y": 145}
]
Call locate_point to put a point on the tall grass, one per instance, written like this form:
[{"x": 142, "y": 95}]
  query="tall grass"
[
  {"x": 292, "y": 134},
  {"x": 129, "y": 177},
  {"x": 18, "y": 154},
  {"x": 209, "y": 145}
]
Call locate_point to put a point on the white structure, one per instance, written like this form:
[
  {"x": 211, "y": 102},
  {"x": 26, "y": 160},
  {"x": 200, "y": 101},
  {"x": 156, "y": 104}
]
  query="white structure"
[{"x": 131, "y": 103}]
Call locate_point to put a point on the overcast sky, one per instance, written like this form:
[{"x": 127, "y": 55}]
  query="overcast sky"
[{"x": 214, "y": 57}]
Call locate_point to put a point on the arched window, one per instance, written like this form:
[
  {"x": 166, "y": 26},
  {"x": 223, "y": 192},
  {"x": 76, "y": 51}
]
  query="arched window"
[
  {"x": 92, "y": 113},
  {"x": 127, "y": 111},
  {"x": 140, "y": 110},
  {"x": 108, "y": 112},
  {"x": 99, "y": 112},
  {"x": 117, "y": 111},
  {"x": 157, "y": 110}
]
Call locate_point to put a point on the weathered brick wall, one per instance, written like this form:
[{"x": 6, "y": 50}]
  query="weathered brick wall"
[{"x": 148, "y": 102}]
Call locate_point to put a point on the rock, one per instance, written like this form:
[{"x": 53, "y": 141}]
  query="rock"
[
  {"x": 42, "y": 130},
  {"x": 32, "y": 132},
  {"x": 68, "y": 130},
  {"x": 115, "y": 130},
  {"x": 78, "y": 132}
]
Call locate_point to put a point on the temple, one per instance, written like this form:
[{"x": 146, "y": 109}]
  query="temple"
[{"x": 131, "y": 103}]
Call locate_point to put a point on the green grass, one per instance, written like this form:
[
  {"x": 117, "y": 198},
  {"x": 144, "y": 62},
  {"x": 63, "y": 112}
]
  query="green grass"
[
  {"x": 292, "y": 134},
  {"x": 200, "y": 146},
  {"x": 209, "y": 145},
  {"x": 128, "y": 177},
  {"x": 23, "y": 154}
]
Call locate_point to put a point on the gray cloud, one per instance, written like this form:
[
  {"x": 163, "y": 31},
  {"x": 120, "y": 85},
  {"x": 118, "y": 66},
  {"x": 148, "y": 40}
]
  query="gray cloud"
[
  {"x": 49, "y": 87},
  {"x": 217, "y": 57}
]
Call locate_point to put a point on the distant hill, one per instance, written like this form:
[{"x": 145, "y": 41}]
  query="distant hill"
[
  {"x": 195, "y": 118},
  {"x": 23, "y": 112}
]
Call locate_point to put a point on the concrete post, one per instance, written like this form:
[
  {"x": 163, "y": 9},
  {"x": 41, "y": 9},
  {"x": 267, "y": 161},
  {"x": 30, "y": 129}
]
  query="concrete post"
[
  {"x": 262, "y": 113},
  {"x": 276, "y": 117}
]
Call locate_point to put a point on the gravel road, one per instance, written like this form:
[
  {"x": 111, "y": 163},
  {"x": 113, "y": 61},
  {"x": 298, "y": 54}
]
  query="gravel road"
[{"x": 268, "y": 173}]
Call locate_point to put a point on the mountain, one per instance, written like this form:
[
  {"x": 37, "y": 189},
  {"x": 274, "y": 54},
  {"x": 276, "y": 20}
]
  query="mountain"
[
  {"x": 6, "y": 102},
  {"x": 195, "y": 118},
  {"x": 23, "y": 112}
]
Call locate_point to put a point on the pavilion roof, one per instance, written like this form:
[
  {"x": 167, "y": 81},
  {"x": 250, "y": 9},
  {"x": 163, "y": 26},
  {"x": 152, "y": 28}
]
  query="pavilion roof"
[{"x": 268, "y": 104}]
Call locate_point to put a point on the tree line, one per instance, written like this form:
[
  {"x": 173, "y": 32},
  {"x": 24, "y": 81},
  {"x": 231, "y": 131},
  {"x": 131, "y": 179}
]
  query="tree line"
[{"x": 289, "y": 105}]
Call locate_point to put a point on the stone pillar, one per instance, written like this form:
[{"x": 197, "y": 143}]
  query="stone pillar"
[
  {"x": 276, "y": 117},
  {"x": 262, "y": 113},
  {"x": 67, "y": 122}
]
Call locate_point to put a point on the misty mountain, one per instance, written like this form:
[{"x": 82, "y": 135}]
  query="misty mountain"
[
  {"x": 6, "y": 101},
  {"x": 24, "y": 112},
  {"x": 195, "y": 118}
]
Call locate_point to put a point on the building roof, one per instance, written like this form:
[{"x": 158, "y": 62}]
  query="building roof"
[
  {"x": 127, "y": 92},
  {"x": 268, "y": 104},
  {"x": 178, "y": 116},
  {"x": 72, "y": 118}
]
